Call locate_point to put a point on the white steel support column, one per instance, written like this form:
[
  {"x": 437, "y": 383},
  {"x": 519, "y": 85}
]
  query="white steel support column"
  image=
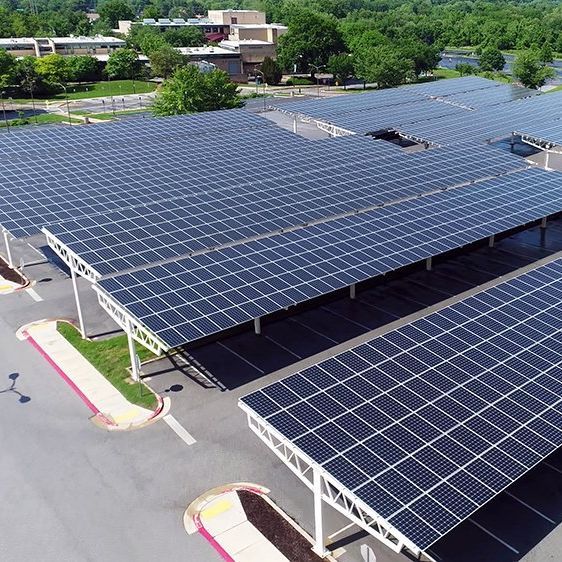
[
  {"x": 257, "y": 326},
  {"x": 77, "y": 298},
  {"x": 547, "y": 161},
  {"x": 295, "y": 124},
  {"x": 428, "y": 264},
  {"x": 8, "y": 249},
  {"x": 491, "y": 241},
  {"x": 352, "y": 291},
  {"x": 318, "y": 547},
  {"x": 543, "y": 222},
  {"x": 512, "y": 142},
  {"x": 132, "y": 353}
]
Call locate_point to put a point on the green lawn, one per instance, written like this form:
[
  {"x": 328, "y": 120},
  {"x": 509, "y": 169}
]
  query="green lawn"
[
  {"x": 111, "y": 358},
  {"x": 555, "y": 89},
  {"x": 42, "y": 119},
  {"x": 108, "y": 115}
]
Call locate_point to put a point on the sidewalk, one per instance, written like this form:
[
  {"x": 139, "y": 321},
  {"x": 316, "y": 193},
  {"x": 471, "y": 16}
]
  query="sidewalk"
[{"x": 104, "y": 400}]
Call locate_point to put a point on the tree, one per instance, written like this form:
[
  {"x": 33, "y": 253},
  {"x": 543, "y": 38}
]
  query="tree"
[
  {"x": 311, "y": 39},
  {"x": 191, "y": 91},
  {"x": 52, "y": 69},
  {"x": 465, "y": 69},
  {"x": 82, "y": 68},
  {"x": 122, "y": 63},
  {"x": 165, "y": 60},
  {"x": 111, "y": 11},
  {"x": 384, "y": 65},
  {"x": 530, "y": 70},
  {"x": 546, "y": 53},
  {"x": 7, "y": 68},
  {"x": 189, "y": 36},
  {"x": 271, "y": 71},
  {"x": 425, "y": 57},
  {"x": 341, "y": 66},
  {"x": 491, "y": 59}
]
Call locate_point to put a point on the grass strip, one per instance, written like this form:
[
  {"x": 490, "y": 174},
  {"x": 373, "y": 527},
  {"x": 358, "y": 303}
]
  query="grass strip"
[{"x": 111, "y": 358}]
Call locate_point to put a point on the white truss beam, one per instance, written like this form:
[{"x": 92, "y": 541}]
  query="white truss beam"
[
  {"x": 332, "y": 492},
  {"x": 541, "y": 144}
]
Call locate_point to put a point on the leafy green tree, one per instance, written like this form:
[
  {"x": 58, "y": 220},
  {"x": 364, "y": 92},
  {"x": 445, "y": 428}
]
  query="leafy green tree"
[
  {"x": 7, "y": 68},
  {"x": 111, "y": 11},
  {"x": 82, "y": 68},
  {"x": 341, "y": 66},
  {"x": 122, "y": 64},
  {"x": 53, "y": 69},
  {"x": 271, "y": 71},
  {"x": 546, "y": 53},
  {"x": 531, "y": 70},
  {"x": 491, "y": 59},
  {"x": 385, "y": 66},
  {"x": 425, "y": 57},
  {"x": 165, "y": 60},
  {"x": 311, "y": 39},
  {"x": 190, "y": 36},
  {"x": 191, "y": 91},
  {"x": 465, "y": 69}
]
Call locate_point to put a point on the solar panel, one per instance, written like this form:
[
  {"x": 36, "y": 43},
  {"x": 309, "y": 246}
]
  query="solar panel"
[
  {"x": 184, "y": 300},
  {"x": 428, "y": 422},
  {"x": 134, "y": 237},
  {"x": 550, "y": 132}
]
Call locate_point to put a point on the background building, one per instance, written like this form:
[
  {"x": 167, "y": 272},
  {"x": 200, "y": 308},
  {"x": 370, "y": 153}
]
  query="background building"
[{"x": 41, "y": 46}]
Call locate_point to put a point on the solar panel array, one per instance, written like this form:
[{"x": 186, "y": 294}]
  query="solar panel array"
[
  {"x": 137, "y": 236},
  {"x": 428, "y": 422},
  {"x": 190, "y": 298},
  {"x": 551, "y": 132}
]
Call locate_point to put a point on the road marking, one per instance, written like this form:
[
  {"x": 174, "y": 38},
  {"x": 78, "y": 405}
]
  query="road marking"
[
  {"x": 507, "y": 545},
  {"x": 531, "y": 508},
  {"x": 556, "y": 469},
  {"x": 180, "y": 431},
  {"x": 33, "y": 294}
]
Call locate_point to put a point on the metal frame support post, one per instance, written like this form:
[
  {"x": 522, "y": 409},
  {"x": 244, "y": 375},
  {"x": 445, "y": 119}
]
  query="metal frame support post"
[
  {"x": 428, "y": 263},
  {"x": 543, "y": 222},
  {"x": 8, "y": 249},
  {"x": 491, "y": 241},
  {"x": 352, "y": 291},
  {"x": 132, "y": 353},
  {"x": 512, "y": 142},
  {"x": 295, "y": 124},
  {"x": 77, "y": 298},
  {"x": 547, "y": 161},
  {"x": 318, "y": 547},
  {"x": 257, "y": 326}
]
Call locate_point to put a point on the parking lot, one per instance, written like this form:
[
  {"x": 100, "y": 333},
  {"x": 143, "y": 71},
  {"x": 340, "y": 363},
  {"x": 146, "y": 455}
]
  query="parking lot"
[{"x": 506, "y": 529}]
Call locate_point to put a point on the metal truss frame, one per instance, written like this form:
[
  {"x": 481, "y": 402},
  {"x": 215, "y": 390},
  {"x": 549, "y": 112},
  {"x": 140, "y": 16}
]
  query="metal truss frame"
[
  {"x": 329, "y": 128},
  {"x": 331, "y": 491},
  {"x": 130, "y": 324},
  {"x": 541, "y": 144},
  {"x": 73, "y": 261}
]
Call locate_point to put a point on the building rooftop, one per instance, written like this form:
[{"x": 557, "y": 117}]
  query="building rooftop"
[
  {"x": 258, "y": 26},
  {"x": 240, "y": 42},
  {"x": 208, "y": 50}
]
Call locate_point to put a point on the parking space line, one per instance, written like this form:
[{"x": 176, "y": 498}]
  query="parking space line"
[
  {"x": 33, "y": 294},
  {"x": 534, "y": 510},
  {"x": 507, "y": 545},
  {"x": 314, "y": 331},
  {"x": 242, "y": 358},
  {"x": 347, "y": 319},
  {"x": 553, "y": 467},
  {"x": 283, "y": 347},
  {"x": 179, "y": 430}
]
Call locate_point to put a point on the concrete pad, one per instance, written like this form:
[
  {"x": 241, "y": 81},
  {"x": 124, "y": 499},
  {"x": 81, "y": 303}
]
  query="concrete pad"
[
  {"x": 222, "y": 513},
  {"x": 240, "y": 537},
  {"x": 260, "y": 552}
]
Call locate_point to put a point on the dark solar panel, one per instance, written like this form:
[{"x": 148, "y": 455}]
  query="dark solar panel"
[{"x": 422, "y": 455}]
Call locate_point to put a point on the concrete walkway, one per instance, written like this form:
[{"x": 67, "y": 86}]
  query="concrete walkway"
[
  {"x": 93, "y": 388},
  {"x": 223, "y": 522}
]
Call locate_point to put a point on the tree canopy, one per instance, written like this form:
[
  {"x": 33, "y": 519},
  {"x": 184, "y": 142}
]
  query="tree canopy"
[
  {"x": 190, "y": 90},
  {"x": 531, "y": 70},
  {"x": 122, "y": 63},
  {"x": 165, "y": 60}
]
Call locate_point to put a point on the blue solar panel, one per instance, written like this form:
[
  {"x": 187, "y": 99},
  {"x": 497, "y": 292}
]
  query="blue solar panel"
[
  {"x": 217, "y": 290},
  {"x": 427, "y": 466}
]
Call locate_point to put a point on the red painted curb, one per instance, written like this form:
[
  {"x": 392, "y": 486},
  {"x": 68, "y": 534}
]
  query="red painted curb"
[
  {"x": 222, "y": 552},
  {"x": 65, "y": 377}
]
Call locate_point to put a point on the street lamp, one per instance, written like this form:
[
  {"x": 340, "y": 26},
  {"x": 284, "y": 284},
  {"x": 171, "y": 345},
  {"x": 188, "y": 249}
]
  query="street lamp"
[
  {"x": 316, "y": 71},
  {"x": 4, "y": 111},
  {"x": 256, "y": 72},
  {"x": 67, "y": 103}
]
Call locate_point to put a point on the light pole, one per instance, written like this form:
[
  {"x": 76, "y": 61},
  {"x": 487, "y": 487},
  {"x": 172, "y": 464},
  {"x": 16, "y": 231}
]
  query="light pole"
[
  {"x": 316, "y": 71},
  {"x": 256, "y": 72},
  {"x": 4, "y": 111},
  {"x": 67, "y": 103}
]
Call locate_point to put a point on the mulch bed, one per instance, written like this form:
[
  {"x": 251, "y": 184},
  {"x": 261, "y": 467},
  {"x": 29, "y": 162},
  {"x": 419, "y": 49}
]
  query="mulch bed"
[
  {"x": 276, "y": 529},
  {"x": 9, "y": 274}
]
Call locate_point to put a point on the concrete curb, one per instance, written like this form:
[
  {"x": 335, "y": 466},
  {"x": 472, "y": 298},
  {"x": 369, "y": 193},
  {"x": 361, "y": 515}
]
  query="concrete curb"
[{"x": 99, "y": 419}]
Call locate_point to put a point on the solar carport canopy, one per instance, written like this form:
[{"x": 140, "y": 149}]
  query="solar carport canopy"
[
  {"x": 186, "y": 299},
  {"x": 421, "y": 426}
]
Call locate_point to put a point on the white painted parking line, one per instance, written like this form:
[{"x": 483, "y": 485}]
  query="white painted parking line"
[
  {"x": 553, "y": 467},
  {"x": 179, "y": 430},
  {"x": 283, "y": 347},
  {"x": 33, "y": 294},
  {"x": 507, "y": 545},
  {"x": 242, "y": 358},
  {"x": 534, "y": 510}
]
